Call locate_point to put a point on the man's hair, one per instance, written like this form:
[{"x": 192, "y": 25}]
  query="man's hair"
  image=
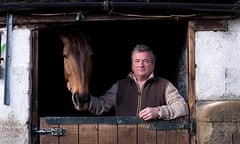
[{"x": 144, "y": 48}]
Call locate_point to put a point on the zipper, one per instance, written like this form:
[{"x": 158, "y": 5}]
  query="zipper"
[{"x": 140, "y": 92}]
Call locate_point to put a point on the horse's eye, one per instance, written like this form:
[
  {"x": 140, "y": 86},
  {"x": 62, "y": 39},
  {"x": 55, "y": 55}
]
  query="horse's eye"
[{"x": 65, "y": 56}]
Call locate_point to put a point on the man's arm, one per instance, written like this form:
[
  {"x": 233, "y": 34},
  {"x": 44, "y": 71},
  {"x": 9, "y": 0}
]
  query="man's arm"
[
  {"x": 176, "y": 106},
  {"x": 97, "y": 105}
]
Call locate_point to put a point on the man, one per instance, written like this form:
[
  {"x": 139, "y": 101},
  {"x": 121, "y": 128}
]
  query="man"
[{"x": 141, "y": 94}]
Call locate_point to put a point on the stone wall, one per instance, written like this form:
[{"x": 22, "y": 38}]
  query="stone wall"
[
  {"x": 217, "y": 85},
  {"x": 15, "y": 117}
]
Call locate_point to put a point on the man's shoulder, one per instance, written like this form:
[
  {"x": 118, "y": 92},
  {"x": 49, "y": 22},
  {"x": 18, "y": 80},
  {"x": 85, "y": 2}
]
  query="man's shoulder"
[
  {"x": 124, "y": 80},
  {"x": 159, "y": 78}
]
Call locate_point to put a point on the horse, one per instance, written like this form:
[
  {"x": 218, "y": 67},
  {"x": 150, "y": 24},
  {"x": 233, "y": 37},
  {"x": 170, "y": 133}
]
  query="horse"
[{"x": 77, "y": 66}]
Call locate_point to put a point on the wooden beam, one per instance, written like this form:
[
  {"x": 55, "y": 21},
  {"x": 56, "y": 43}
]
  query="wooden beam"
[{"x": 211, "y": 25}]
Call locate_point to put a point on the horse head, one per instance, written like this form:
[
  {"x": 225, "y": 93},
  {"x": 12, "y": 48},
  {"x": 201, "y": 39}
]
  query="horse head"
[{"x": 77, "y": 66}]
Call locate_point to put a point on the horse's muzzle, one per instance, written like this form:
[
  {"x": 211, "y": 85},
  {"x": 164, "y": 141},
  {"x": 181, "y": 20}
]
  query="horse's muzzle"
[{"x": 81, "y": 98}]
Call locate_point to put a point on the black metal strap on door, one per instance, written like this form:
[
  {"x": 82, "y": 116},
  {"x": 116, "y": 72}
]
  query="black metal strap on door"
[{"x": 153, "y": 124}]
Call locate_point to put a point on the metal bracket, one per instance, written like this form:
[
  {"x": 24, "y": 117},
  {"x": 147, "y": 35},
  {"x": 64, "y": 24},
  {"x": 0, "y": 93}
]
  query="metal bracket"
[
  {"x": 173, "y": 126},
  {"x": 53, "y": 131}
]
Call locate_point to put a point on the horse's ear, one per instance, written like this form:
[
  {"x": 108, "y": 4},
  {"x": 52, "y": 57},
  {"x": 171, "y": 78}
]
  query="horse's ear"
[{"x": 63, "y": 38}]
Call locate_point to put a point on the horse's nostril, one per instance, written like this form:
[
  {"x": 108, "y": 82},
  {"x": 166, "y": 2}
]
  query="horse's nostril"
[
  {"x": 82, "y": 98},
  {"x": 76, "y": 95}
]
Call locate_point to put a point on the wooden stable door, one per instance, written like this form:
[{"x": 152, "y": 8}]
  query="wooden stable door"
[{"x": 113, "y": 130}]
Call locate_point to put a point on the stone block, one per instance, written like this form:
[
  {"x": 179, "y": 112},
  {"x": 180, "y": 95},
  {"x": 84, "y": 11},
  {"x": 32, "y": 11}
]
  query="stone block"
[{"x": 218, "y": 111}]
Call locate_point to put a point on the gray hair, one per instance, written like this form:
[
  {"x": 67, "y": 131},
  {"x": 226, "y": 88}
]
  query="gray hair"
[{"x": 144, "y": 48}]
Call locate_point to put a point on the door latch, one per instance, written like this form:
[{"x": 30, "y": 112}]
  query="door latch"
[{"x": 53, "y": 131}]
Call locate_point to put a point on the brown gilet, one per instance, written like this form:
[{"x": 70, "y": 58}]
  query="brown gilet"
[{"x": 130, "y": 100}]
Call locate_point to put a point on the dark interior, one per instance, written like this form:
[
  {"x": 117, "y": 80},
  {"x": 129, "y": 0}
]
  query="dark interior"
[{"x": 112, "y": 42}]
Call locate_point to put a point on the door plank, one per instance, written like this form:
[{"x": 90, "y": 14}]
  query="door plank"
[
  {"x": 145, "y": 135},
  {"x": 161, "y": 136},
  {"x": 107, "y": 134},
  {"x": 88, "y": 134},
  {"x": 127, "y": 134},
  {"x": 183, "y": 137},
  {"x": 171, "y": 137},
  {"x": 47, "y": 139},
  {"x": 71, "y": 136}
]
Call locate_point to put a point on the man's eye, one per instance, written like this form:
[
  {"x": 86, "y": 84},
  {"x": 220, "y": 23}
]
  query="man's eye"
[{"x": 146, "y": 61}]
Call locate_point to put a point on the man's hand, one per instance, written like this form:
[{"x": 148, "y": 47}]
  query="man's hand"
[{"x": 149, "y": 113}]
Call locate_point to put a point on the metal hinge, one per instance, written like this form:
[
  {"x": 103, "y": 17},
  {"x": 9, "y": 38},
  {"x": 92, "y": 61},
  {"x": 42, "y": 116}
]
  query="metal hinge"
[
  {"x": 53, "y": 131},
  {"x": 173, "y": 126}
]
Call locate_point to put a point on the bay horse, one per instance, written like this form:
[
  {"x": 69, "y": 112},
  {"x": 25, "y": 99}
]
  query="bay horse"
[{"x": 77, "y": 66}]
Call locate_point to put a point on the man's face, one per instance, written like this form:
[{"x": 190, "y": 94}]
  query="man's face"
[{"x": 142, "y": 64}]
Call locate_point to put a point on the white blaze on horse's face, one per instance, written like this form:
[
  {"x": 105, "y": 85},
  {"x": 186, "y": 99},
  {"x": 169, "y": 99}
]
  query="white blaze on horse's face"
[{"x": 77, "y": 63}]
